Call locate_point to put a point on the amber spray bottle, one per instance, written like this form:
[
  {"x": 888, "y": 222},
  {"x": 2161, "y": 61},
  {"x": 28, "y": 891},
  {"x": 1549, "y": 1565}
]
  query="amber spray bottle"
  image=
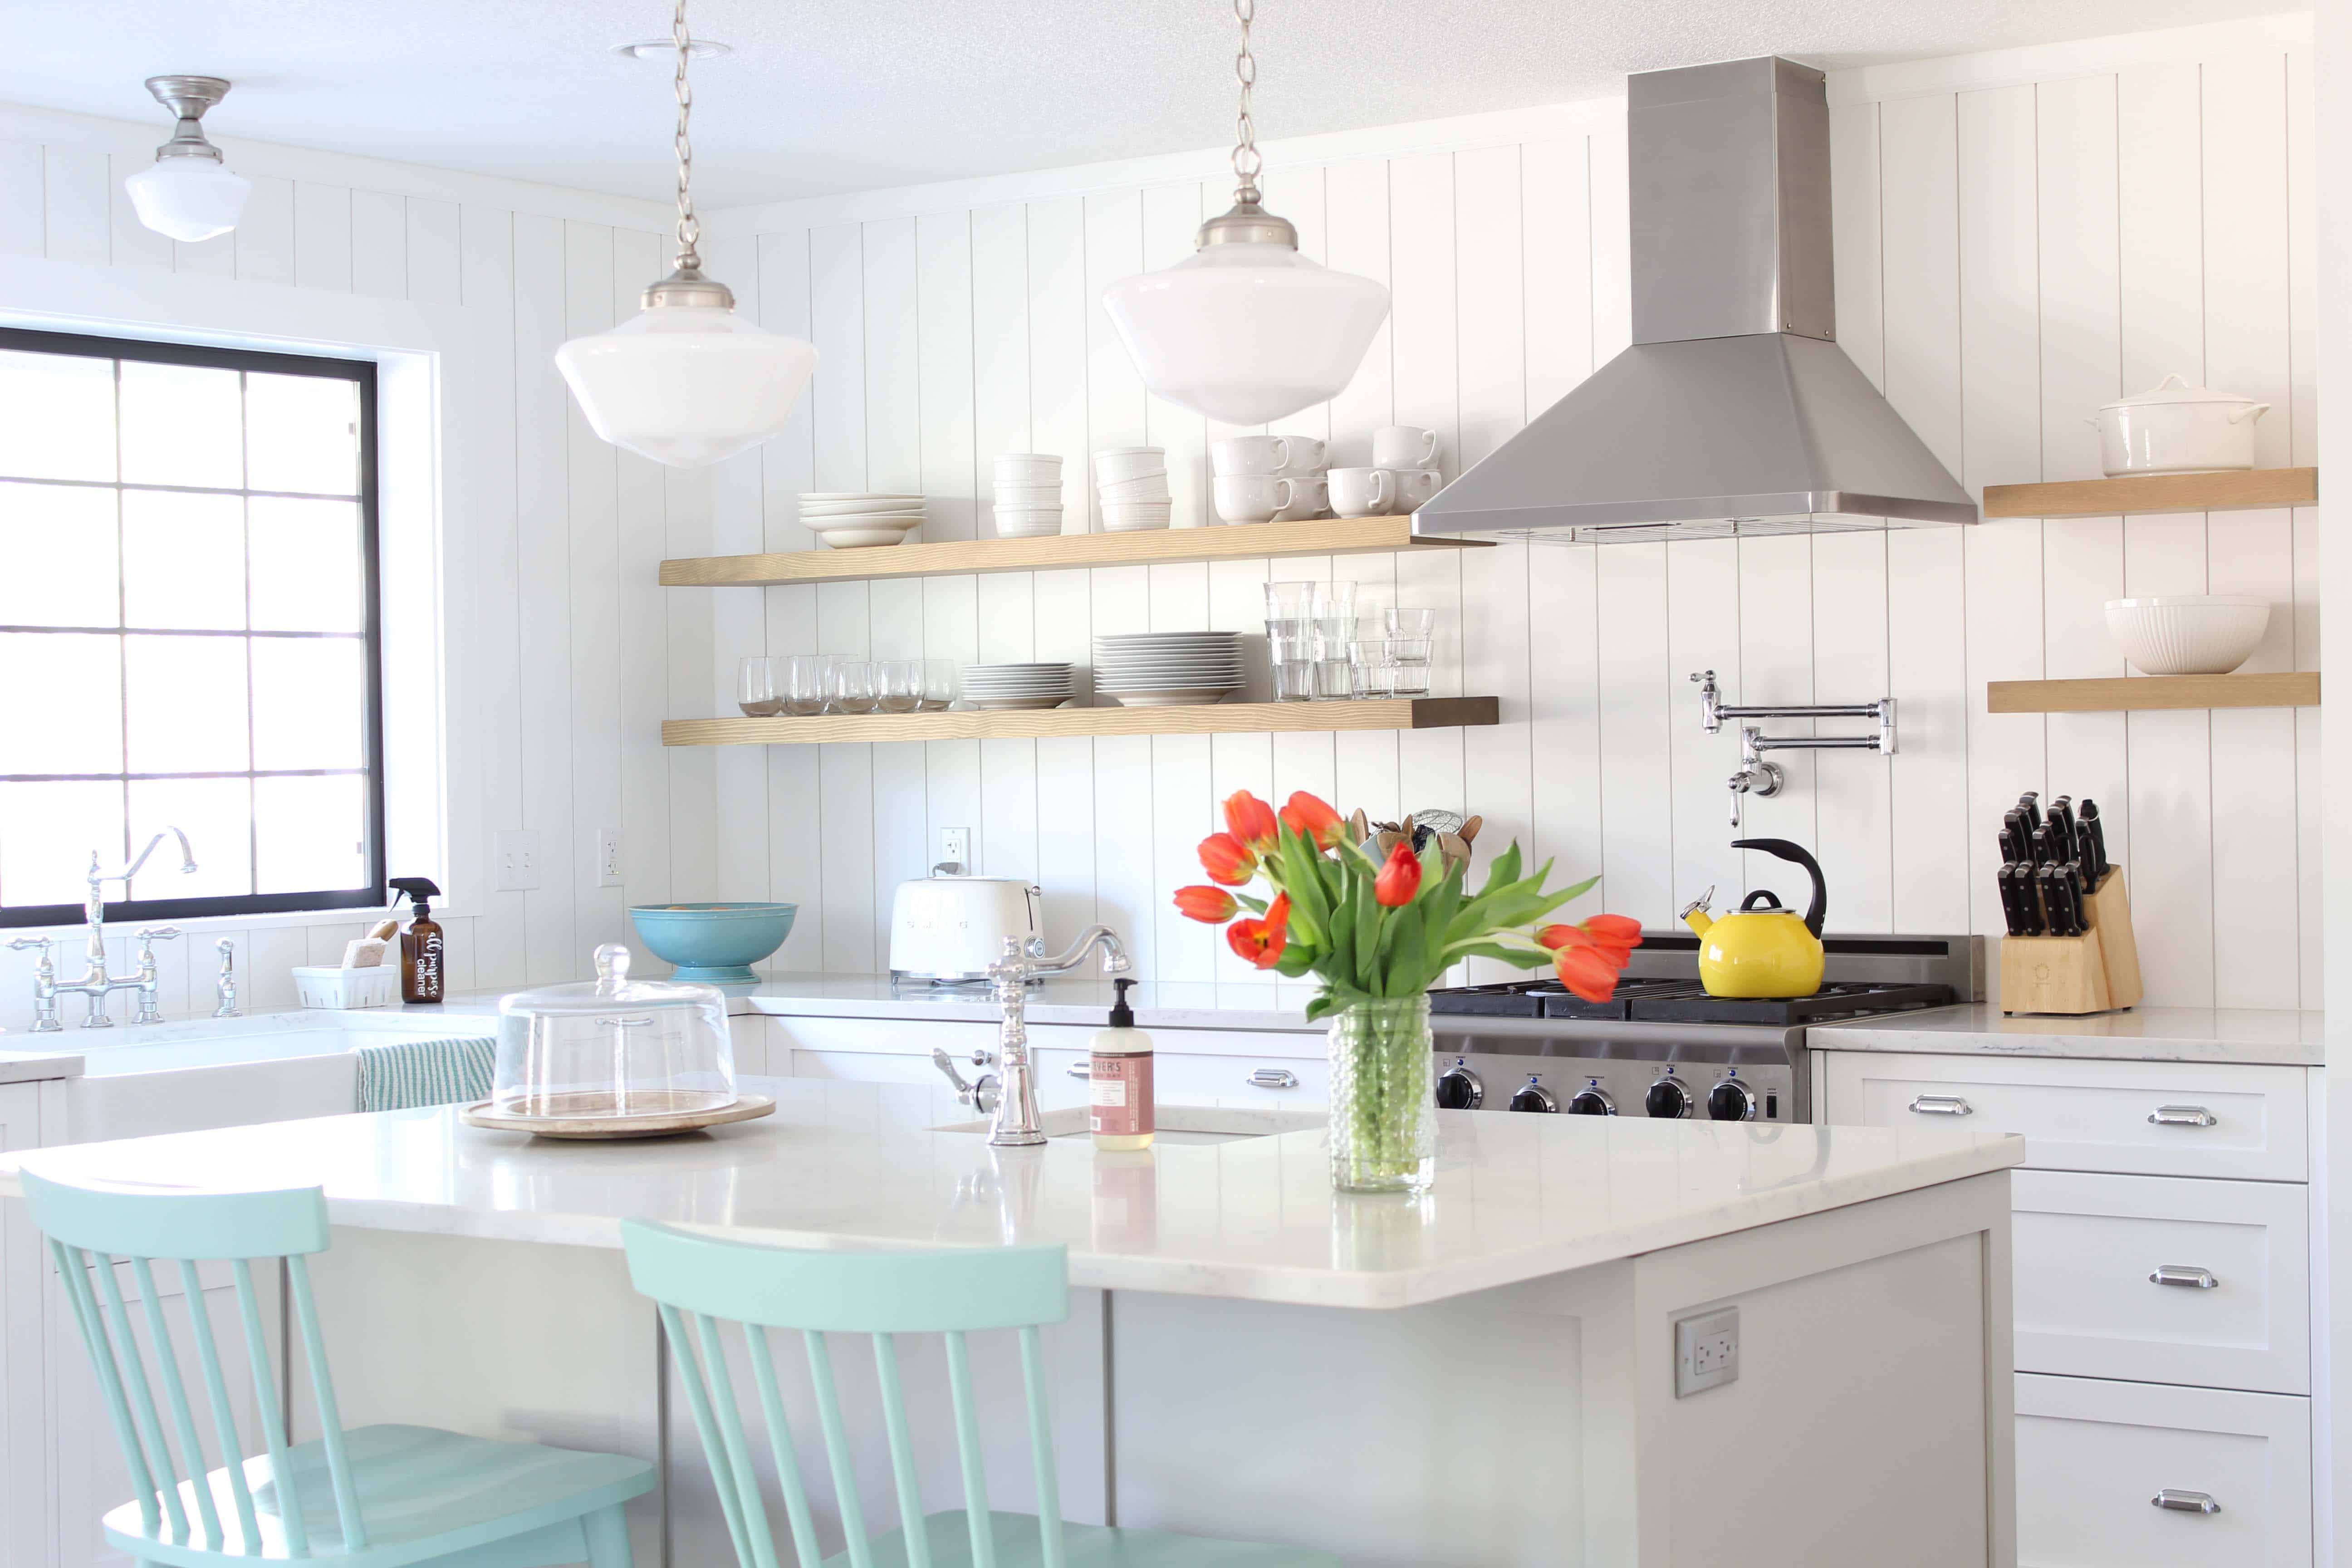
[{"x": 420, "y": 944}]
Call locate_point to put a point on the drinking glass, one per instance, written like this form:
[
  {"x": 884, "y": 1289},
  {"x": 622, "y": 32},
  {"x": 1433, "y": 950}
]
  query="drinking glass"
[
  {"x": 939, "y": 684},
  {"x": 1289, "y": 607},
  {"x": 1335, "y": 625},
  {"x": 1367, "y": 668},
  {"x": 1412, "y": 622},
  {"x": 1293, "y": 657},
  {"x": 755, "y": 687},
  {"x": 900, "y": 685},
  {"x": 808, "y": 683},
  {"x": 1408, "y": 664},
  {"x": 852, "y": 686}
]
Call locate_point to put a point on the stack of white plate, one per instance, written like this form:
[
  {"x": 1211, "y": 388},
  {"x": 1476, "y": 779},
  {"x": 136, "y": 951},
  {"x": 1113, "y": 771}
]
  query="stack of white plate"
[
  {"x": 1028, "y": 494},
  {"x": 1019, "y": 685},
  {"x": 848, "y": 519},
  {"x": 1169, "y": 669}
]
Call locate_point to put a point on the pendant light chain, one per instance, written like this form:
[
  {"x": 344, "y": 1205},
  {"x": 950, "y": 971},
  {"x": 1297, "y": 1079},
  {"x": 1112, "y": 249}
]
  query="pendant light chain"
[
  {"x": 1246, "y": 162},
  {"x": 690, "y": 227}
]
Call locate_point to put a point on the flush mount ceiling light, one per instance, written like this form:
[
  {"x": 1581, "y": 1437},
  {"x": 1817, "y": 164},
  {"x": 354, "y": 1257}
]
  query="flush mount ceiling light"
[
  {"x": 187, "y": 194},
  {"x": 687, "y": 382},
  {"x": 655, "y": 49},
  {"x": 1245, "y": 329}
]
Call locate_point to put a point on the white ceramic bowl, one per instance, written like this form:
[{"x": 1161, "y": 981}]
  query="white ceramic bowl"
[
  {"x": 863, "y": 533},
  {"x": 1028, "y": 523},
  {"x": 2188, "y": 633},
  {"x": 1145, "y": 487},
  {"x": 1025, "y": 495},
  {"x": 1115, "y": 463},
  {"x": 1028, "y": 468},
  {"x": 1132, "y": 517}
]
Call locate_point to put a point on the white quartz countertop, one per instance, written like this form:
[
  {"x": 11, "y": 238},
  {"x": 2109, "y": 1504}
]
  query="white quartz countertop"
[
  {"x": 857, "y": 1165},
  {"x": 2282, "y": 1037}
]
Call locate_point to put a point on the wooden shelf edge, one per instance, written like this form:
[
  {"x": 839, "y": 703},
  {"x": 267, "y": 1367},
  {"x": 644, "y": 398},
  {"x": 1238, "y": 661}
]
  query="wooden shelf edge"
[
  {"x": 1159, "y": 546},
  {"x": 1213, "y": 718},
  {"x": 2238, "y": 490},
  {"x": 2297, "y": 688}
]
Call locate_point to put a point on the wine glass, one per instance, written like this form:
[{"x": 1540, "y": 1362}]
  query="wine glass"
[
  {"x": 755, "y": 687},
  {"x": 899, "y": 686}
]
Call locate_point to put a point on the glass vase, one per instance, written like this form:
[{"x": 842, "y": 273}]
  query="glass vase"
[{"x": 1383, "y": 1133}]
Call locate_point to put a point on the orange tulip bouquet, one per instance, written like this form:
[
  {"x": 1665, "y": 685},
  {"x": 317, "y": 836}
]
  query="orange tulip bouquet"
[{"x": 1378, "y": 934}]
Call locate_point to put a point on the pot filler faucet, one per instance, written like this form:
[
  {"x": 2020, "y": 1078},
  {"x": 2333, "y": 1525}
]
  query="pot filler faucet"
[
  {"x": 95, "y": 985},
  {"x": 1762, "y": 779},
  {"x": 1014, "y": 1124}
]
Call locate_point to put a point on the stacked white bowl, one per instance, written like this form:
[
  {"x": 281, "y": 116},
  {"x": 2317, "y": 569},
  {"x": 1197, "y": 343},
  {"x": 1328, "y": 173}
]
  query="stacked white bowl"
[
  {"x": 1132, "y": 484},
  {"x": 1168, "y": 669},
  {"x": 1019, "y": 685},
  {"x": 1270, "y": 478},
  {"x": 1028, "y": 495},
  {"x": 848, "y": 519}
]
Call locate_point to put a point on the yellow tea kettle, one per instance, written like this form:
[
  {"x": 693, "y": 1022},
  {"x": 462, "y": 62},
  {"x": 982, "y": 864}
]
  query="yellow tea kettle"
[{"x": 1764, "y": 950}]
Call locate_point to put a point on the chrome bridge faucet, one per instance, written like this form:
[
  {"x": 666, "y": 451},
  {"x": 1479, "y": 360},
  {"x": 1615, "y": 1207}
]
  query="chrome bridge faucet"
[
  {"x": 1014, "y": 1122},
  {"x": 1762, "y": 779},
  {"x": 95, "y": 985}
]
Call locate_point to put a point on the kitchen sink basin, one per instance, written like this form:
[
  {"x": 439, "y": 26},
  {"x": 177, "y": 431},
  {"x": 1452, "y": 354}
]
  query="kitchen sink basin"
[{"x": 1179, "y": 1124}]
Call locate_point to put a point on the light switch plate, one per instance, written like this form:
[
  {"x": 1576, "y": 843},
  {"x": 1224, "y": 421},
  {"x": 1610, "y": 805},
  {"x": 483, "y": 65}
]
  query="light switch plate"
[
  {"x": 515, "y": 856},
  {"x": 1707, "y": 1352}
]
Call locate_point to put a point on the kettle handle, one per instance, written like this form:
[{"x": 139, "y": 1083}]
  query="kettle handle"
[
  {"x": 1765, "y": 894},
  {"x": 1785, "y": 850}
]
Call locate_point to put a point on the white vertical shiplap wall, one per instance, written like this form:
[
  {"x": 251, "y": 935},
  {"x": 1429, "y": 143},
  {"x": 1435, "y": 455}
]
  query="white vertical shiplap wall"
[
  {"x": 2019, "y": 239},
  {"x": 580, "y": 648}
]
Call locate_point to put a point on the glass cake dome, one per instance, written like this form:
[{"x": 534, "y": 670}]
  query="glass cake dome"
[{"x": 614, "y": 1047}]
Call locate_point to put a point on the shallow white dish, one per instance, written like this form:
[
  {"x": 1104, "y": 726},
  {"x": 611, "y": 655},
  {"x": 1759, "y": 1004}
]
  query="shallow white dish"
[
  {"x": 862, "y": 535},
  {"x": 2188, "y": 633},
  {"x": 1188, "y": 698},
  {"x": 993, "y": 703}
]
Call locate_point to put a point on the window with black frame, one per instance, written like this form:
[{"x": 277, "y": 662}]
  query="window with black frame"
[{"x": 188, "y": 627}]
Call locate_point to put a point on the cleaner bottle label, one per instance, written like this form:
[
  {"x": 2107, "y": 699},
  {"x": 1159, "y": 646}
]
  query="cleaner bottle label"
[{"x": 1121, "y": 1099}]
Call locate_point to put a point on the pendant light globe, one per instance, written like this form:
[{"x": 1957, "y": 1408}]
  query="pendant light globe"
[
  {"x": 187, "y": 194},
  {"x": 687, "y": 382}
]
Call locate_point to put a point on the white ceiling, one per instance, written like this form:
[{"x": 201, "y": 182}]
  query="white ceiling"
[{"x": 825, "y": 96}]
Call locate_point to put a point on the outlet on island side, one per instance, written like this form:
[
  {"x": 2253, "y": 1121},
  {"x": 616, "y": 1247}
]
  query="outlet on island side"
[{"x": 1707, "y": 1352}]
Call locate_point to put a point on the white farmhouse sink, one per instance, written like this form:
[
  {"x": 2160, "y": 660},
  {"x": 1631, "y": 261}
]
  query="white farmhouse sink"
[{"x": 264, "y": 1037}]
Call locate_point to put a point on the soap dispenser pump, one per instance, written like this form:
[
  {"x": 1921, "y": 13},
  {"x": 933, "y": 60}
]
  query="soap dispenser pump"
[
  {"x": 421, "y": 969},
  {"x": 1119, "y": 1073}
]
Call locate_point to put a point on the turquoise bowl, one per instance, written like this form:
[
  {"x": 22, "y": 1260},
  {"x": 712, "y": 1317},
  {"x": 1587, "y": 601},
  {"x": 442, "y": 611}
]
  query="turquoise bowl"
[{"x": 714, "y": 944}]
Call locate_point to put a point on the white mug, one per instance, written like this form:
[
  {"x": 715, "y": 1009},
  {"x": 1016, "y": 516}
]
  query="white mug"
[
  {"x": 1252, "y": 497},
  {"x": 1412, "y": 488},
  {"x": 1361, "y": 492},
  {"x": 1402, "y": 446},
  {"x": 1266, "y": 455},
  {"x": 1310, "y": 497}
]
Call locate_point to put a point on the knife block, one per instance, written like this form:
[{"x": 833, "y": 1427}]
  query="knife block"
[{"x": 2097, "y": 971}]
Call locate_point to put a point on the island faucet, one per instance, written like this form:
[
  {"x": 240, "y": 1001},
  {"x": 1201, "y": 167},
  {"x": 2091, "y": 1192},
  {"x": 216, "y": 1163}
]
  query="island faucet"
[
  {"x": 95, "y": 985},
  {"x": 1015, "y": 1122}
]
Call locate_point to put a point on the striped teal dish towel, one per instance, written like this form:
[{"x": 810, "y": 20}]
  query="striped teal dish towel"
[{"x": 406, "y": 1074}]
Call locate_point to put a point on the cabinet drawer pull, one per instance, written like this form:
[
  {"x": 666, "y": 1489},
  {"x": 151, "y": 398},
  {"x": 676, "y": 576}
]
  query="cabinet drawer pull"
[
  {"x": 1274, "y": 1078},
  {"x": 1080, "y": 1069},
  {"x": 2182, "y": 1274},
  {"x": 1942, "y": 1105},
  {"x": 2185, "y": 1502},
  {"x": 2183, "y": 1116}
]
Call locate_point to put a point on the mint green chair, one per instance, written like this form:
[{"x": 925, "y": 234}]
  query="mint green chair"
[
  {"x": 376, "y": 1497},
  {"x": 886, "y": 1294}
]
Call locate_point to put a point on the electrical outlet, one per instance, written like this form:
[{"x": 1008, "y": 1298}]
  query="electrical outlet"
[
  {"x": 1707, "y": 1352},
  {"x": 515, "y": 854},
  {"x": 608, "y": 857},
  {"x": 955, "y": 844}
]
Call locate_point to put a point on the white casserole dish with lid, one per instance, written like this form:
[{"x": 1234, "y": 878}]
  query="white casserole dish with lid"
[{"x": 2175, "y": 428}]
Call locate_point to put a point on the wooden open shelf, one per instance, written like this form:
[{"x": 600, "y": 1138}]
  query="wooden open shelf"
[
  {"x": 1157, "y": 546},
  {"x": 2298, "y": 688},
  {"x": 1212, "y": 719},
  {"x": 2241, "y": 490}
]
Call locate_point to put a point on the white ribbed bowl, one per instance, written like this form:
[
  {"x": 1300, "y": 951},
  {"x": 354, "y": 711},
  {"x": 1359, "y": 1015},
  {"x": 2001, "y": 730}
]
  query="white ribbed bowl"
[{"x": 2188, "y": 633}]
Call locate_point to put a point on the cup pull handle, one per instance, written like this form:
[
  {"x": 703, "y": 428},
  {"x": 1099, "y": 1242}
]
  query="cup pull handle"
[
  {"x": 2185, "y": 1501},
  {"x": 2182, "y": 1274},
  {"x": 1274, "y": 1078},
  {"x": 1942, "y": 1105},
  {"x": 2182, "y": 1116},
  {"x": 1080, "y": 1069}
]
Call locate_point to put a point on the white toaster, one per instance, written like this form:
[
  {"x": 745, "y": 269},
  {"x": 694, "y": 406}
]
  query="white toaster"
[{"x": 951, "y": 928}]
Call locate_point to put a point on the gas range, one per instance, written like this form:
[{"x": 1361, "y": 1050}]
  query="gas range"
[{"x": 1663, "y": 1047}]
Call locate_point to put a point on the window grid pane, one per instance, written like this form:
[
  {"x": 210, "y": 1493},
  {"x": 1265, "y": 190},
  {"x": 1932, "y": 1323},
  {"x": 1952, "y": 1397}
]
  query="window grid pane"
[{"x": 180, "y": 576}]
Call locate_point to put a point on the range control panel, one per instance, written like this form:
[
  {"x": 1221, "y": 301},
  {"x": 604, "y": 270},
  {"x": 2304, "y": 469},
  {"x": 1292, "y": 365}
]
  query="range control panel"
[{"x": 1700, "y": 1092}]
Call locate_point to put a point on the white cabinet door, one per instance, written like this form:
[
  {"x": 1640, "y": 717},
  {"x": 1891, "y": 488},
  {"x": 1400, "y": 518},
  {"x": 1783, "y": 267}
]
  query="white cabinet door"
[
  {"x": 2091, "y": 1457},
  {"x": 2230, "y": 1311},
  {"x": 2155, "y": 1118},
  {"x": 1183, "y": 1078},
  {"x": 24, "y": 1391}
]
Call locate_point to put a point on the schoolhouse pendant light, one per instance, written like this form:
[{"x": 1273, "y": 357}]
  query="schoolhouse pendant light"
[
  {"x": 1245, "y": 329},
  {"x": 687, "y": 382},
  {"x": 187, "y": 193}
]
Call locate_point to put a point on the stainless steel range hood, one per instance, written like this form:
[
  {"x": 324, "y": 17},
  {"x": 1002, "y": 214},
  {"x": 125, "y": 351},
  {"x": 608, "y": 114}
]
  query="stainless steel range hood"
[{"x": 1734, "y": 412}]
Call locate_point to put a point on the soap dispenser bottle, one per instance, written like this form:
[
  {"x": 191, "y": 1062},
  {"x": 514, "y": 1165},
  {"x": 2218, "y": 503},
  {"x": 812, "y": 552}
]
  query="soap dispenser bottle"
[
  {"x": 421, "y": 971},
  {"x": 1119, "y": 1073}
]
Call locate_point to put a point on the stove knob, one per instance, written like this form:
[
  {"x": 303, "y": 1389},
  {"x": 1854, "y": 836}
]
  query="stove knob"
[
  {"x": 1667, "y": 1098},
  {"x": 1535, "y": 1097},
  {"x": 1731, "y": 1101},
  {"x": 1591, "y": 1101},
  {"x": 1458, "y": 1088}
]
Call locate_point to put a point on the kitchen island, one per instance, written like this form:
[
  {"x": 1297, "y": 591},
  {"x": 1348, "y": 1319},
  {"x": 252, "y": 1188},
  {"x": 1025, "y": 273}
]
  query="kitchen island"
[{"x": 1483, "y": 1375}]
